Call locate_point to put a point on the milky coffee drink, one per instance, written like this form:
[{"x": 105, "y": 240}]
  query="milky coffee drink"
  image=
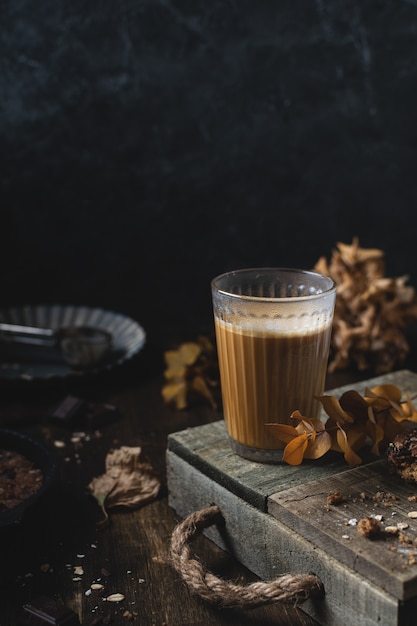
[
  {"x": 273, "y": 330},
  {"x": 265, "y": 376}
]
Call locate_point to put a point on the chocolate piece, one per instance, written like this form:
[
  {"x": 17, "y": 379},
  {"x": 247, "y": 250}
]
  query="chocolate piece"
[
  {"x": 44, "y": 610},
  {"x": 74, "y": 411},
  {"x": 70, "y": 411}
]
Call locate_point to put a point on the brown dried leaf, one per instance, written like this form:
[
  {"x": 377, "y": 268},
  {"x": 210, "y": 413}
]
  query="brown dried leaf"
[
  {"x": 192, "y": 370},
  {"x": 294, "y": 450},
  {"x": 373, "y": 418},
  {"x": 199, "y": 384},
  {"x": 176, "y": 392},
  {"x": 333, "y": 409},
  {"x": 351, "y": 458},
  {"x": 377, "y": 437},
  {"x": 283, "y": 432},
  {"x": 186, "y": 354},
  {"x": 128, "y": 481},
  {"x": 408, "y": 410},
  {"x": 388, "y": 391},
  {"x": 355, "y": 405},
  {"x": 318, "y": 448}
]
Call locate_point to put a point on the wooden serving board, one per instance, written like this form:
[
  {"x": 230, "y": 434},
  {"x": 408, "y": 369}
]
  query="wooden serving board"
[
  {"x": 278, "y": 520},
  {"x": 390, "y": 561}
]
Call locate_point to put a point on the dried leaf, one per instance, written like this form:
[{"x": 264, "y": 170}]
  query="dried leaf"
[
  {"x": 199, "y": 384},
  {"x": 408, "y": 409},
  {"x": 351, "y": 458},
  {"x": 192, "y": 370},
  {"x": 294, "y": 450},
  {"x": 355, "y": 405},
  {"x": 186, "y": 354},
  {"x": 333, "y": 409},
  {"x": 353, "y": 422},
  {"x": 377, "y": 437},
  {"x": 391, "y": 392},
  {"x": 128, "y": 481},
  {"x": 176, "y": 392},
  {"x": 306, "y": 427},
  {"x": 318, "y": 448},
  {"x": 283, "y": 432}
]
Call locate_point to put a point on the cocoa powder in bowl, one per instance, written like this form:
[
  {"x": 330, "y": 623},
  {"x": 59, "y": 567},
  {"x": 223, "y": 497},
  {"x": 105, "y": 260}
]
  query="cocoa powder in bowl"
[
  {"x": 19, "y": 479},
  {"x": 27, "y": 470}
]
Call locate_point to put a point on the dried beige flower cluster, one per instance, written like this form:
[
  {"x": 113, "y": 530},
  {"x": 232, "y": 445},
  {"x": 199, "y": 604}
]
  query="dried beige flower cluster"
[
  {"x": 372, "y": 312},
  {"x": 129, "y": 481}
]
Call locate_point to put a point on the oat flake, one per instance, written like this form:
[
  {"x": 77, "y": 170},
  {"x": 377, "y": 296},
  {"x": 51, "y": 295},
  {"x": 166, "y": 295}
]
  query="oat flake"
[{"x": 115, "y": 597}]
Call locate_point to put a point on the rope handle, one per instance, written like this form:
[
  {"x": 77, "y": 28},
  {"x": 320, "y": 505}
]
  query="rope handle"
[{"x": 287, "y": 588}]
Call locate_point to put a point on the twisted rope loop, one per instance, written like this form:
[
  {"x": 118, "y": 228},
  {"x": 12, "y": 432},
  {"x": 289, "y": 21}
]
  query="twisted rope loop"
[{"x": 287, "y": 588}]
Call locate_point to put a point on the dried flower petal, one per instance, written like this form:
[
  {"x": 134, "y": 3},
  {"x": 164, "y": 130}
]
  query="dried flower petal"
[
  {"x": 372, "y": 312},
  {"x": 128, "y": 481},
  {"x": 192, "y": 370}
]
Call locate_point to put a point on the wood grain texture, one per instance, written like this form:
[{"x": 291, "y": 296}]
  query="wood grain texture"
[
  {"x": 269, "y": 547},
  {"x": 368, "y": 492},
  {"x": 277, "y": 518},
  {"x": 130, "y": 555}
]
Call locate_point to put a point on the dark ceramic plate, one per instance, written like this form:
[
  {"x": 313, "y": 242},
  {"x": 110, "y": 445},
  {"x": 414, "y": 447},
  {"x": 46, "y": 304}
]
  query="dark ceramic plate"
[
  {"x": 41, "y": 457},
  {"x": 24, "y": 363}
]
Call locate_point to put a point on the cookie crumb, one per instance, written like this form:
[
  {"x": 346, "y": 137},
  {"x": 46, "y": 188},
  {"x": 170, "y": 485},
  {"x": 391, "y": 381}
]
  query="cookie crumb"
[
  {"x": 369, "y": 527},
  {"x": 335, "y": 498}
]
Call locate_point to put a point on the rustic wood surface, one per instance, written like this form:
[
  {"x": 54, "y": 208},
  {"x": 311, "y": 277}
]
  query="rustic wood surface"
[
  {"x": 130, "y": 555},
  {"x": 277, "y": 519},
  {"x": 270, "y": 548},
  {"x": 388, "y": 560}
]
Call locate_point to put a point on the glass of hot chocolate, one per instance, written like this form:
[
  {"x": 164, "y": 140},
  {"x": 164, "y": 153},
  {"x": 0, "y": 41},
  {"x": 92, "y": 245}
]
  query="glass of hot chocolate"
[{"x": 273, "y": 330}]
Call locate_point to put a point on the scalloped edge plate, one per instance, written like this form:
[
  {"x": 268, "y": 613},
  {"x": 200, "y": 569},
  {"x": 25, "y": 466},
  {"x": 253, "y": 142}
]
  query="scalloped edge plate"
[{"x": 128, "y": 338}]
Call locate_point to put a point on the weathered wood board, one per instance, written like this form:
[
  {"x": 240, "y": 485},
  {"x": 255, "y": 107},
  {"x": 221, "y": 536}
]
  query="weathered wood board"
[
  {"x": 278, "y": 520},
  {"x": 388, "y": 560}
]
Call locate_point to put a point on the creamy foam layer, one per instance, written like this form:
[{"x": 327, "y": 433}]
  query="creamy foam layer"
[{"x": 261, "y": 326}]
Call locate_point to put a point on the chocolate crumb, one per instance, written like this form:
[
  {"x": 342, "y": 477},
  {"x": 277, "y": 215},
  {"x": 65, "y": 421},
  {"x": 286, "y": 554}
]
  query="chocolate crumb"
[
  {"x": 45, "y": 610},
  {"x": 73, "y": 411}
]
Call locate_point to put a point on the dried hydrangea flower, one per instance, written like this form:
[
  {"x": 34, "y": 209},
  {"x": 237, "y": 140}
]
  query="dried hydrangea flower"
[{"x": 372, "y": 312}]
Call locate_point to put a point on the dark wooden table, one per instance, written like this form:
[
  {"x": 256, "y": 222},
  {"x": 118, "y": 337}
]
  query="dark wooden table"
[{"x": 130, "y": 555}]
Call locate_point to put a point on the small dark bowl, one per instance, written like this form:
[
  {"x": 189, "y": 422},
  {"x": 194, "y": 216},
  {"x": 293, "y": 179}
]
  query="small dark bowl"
[{"x": 40, "y": 456}]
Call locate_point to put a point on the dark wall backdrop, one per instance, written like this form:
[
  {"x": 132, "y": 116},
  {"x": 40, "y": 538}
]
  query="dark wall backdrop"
[{"x": 148, "y": 145}]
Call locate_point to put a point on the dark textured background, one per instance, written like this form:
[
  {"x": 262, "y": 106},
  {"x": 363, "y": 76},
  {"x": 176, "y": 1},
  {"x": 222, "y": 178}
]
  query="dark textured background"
[{"x": 148, "y": 145}]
